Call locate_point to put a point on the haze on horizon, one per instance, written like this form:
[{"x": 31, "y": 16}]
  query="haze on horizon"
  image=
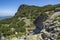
[{"x": 9, "y": 7}]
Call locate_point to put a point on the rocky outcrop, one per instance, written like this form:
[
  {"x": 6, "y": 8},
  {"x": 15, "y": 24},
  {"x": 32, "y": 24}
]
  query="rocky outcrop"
[
  {"x": 52, "y": 27},
  {"x": 39, "y": 23},
  {"x": 47, "y": 29}
]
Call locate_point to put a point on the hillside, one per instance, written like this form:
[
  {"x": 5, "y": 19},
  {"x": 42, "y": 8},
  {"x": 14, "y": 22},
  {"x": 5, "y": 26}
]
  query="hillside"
[{"x": 27, "y": 17}]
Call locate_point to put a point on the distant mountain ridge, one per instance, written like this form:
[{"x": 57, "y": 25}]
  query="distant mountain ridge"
[{"x": 4, "y": 17}]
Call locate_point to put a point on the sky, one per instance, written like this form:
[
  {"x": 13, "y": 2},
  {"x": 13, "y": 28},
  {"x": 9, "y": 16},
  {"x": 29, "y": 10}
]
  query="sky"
[{"x": 10, "y": 7}]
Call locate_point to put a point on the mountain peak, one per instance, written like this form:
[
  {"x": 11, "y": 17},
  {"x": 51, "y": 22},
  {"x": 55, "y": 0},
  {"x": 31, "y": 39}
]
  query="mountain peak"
[{"x": 23, "y": 6}]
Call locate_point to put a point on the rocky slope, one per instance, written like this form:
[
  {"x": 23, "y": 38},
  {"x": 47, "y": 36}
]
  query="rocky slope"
[{"x": 50, "y": 30}]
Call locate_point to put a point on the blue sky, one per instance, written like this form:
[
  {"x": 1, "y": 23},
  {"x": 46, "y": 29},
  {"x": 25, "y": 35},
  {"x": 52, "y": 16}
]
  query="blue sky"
[{"x": 9, "y": 7}]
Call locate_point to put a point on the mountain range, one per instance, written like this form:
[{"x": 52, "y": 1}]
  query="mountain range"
[{"x": 4, "y": 17}]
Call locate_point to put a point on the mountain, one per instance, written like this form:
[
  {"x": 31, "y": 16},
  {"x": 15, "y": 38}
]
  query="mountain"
[
  {"x": 4, "y": 17},
  {"x": 27, "y": 17}
]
